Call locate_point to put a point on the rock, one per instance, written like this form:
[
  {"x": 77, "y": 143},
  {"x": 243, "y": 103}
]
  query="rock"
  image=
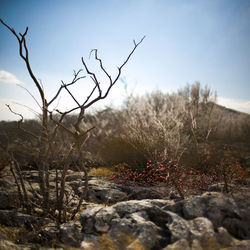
[
  {"x": 129, "y": 218},
  {"x": 75, "y": 177},
  {"x": 8, "y": 192},
  {"x": 17, "y": 219},
  {"x": 198, "y": 228},
  {"x": 221, "y": 209},
  {"x": 224, "y": 238},
  {"x": 135, "y": 225},
  {"x": 9, "y": 200},
  {"x": 146, "y": 224},
  {"x": 199, "y": 234},
  {"x": 31, "y": 175},
  {"x": 87, "y": 245},
  {"x": 111, "y": 220},
  {"x": 244, "y": 244},
  {"x": 136, "y": 244},
  {"x": 105, "y": 195},
  {"x": 178, "y": 245},
  {"x": 103, "y": 219},
  {"x": 129, "y": 207},
  {"x": 6, "y": 181},
  {"x": 51, "y": 248},
  {"x": 142, "y": 193},
  {"x": 9, "y": 196},
  {"x": 50, "y": 231},
  {"x": 102, "y": 191},
  {"x": 87, "y": 219},
  {"x": 70, "y": 233}
]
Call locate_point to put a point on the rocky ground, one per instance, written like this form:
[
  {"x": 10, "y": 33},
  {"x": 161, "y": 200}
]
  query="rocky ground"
[{"x": 126, "y": 217}]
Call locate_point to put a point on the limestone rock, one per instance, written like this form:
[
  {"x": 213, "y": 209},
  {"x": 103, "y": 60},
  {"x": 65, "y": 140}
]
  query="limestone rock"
[
  {"x": 128, "y": 218},
  {"x": 50, "y": 231},
  {"x": 146, "y": 224},
  {"x": 178, "y": 245},
  {"x": 102, "y": 191},
  {"x": 111, "y": 220},
  {"x": 17, "y": 219},
  {"x": 221, "y": 209},
  {"x": 103, "y": 219},
  {"x": 87, "y": 219},
  {"x": 70, "y": 233}
]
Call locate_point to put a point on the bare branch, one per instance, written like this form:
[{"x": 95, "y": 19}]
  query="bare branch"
[
  {"x": 14, "y": 112},
  {"x": 41, "y": 84},
  {"x": 11, "y": 29},
  {"x": 131, "y": 53},
  {"x": 112, "y": 83},
  {"x": 27, "y": 107},
  {"x": 75, "y": 79},
  {"x": 101, "y": 65},
  {"x": 57, "y": 126},
  {"x": 22, "y": 44},
  {"x": 93, "y": 76},
  {"x": 79, "y": 119},
  {"x": 91, "y": 93},
  {"x": 30, "y": 95},
  {"x": 48, "y": 147},
  {"x": 65, "y": 86},
  {"x": 60, "y": 124},
  {"x": 20, "y": 122}
]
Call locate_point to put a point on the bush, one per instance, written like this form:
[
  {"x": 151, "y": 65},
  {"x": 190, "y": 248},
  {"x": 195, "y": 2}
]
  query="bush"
[
  {"x": 164, "y": 169},
  {"x": 155, "y": 122}
]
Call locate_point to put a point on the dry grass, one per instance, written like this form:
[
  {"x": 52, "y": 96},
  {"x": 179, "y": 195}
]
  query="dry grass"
[
  {"x": 13, "y": 234},
  {"x": 122, "y": 241},
  {"x": 103, "y": 171}
]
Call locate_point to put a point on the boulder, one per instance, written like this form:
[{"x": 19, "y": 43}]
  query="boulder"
[
  {"x": 111, "y": 220},
  {"x": 17, "y": 219},
  {"x": 103, "y": 191},
  {"x": 70, "y": 233},
  {"x": 219, "y": 208},
  {"x": 142, "y": 193},
  {"x": 123, "y": 223},
  {"x": 147, "y": 224},
  {"x": 50, "y": 231}
]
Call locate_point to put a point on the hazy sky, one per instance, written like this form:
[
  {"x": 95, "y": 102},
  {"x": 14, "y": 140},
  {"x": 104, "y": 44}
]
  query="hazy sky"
[{"x": 186, "y": 41}]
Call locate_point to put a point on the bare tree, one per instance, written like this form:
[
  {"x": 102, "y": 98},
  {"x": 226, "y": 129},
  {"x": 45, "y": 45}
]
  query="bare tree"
[{"x": 49, "y": 148}]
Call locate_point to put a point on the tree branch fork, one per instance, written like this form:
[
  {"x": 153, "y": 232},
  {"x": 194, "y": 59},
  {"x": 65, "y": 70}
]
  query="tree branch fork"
[{"x": 47, "y": 139}]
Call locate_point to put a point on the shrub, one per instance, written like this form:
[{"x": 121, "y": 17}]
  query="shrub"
[
  {"x": 156, "y": 122},
  {"x": 50, "y": 151},
  {"x": 165, "y": 169}
]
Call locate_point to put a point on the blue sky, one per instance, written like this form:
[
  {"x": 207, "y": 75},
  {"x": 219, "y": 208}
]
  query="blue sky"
[{"x": 186, "y": 41}]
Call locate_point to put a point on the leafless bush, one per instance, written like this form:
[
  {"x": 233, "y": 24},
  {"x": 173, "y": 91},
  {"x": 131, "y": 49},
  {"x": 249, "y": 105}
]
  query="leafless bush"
[
  {"x": 149, "y": 123},
  {"x": 156, "y": 123},
  {"x": 52, "y": 153},
  {"x": 187, "y": 123}
]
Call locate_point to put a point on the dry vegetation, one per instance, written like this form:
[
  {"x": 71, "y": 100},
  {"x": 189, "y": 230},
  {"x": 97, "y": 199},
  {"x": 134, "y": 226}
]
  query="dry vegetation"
[
  {"x": 159, "y": 121},
  {"x": 181, "y": 123},
  {"x": 185, "y": 130},
  {"x": 54, "y": 145}
]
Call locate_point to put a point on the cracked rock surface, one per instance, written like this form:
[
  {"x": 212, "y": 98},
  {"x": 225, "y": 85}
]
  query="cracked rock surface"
[{"x": 112, "y": 218}]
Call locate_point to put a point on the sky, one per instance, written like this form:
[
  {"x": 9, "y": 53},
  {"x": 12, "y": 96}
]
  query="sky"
[{"x": 186, "y": 41}]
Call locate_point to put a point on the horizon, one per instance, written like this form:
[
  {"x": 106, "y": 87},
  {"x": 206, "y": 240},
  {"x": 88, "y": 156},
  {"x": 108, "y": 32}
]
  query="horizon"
[{"x": 205, "y": 41}]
